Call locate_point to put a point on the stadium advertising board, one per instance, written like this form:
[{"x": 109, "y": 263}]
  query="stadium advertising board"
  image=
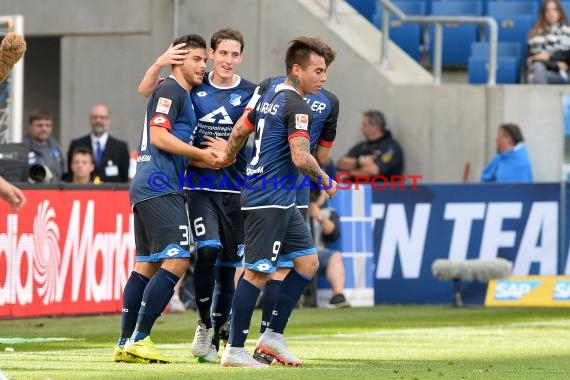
[
  {"x": 529, "y": 291},
  {"x": 411, "y": 229},
  {"x": 65, "y": 252}
]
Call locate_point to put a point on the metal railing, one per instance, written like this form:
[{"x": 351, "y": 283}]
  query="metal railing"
[{"x": 438, "y": 22}]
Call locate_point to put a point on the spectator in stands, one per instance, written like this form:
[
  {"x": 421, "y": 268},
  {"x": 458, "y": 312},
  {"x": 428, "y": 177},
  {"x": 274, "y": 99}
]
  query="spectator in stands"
[
  {"x": 511, "y": 163},
  {"x": 325, "y": 228},
  {"x": 45, "y": 158},
  {"x": 82, "y": 166},
  {"x": 548, "y": 46},
  {"x": 380, "y": 154},
  {"x": 111, "y": 155}
]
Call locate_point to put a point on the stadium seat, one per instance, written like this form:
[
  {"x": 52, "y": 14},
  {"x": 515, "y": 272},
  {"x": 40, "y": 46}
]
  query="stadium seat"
[
  {"x": 407, "y": 36},
  {"x": 514, "y": 18},
  {"x": 508, "y": 62},
  {"x": 364, "y": 7},
  {"x": 456, "y": 38}
]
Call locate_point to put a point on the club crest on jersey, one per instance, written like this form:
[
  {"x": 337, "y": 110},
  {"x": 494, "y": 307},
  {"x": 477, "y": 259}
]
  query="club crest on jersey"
[
  {"x": 163, "y": 105},
  {"x": 301, "y": 121},
  {"x": 235, "y": 100},
  {"x": 201, "y": 94}
]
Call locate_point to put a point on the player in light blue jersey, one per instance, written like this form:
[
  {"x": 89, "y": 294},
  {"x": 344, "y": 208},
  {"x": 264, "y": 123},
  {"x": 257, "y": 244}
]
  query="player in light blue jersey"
[
  {"x": 214, "y": 196},
  {"x": 273, "y": 225},
  {"x": 160, "y": 218}
]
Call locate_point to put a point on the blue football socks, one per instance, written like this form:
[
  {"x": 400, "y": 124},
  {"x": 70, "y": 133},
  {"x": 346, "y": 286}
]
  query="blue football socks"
[
  {"x": 155, "y": 298},
  {"x": 132, "y": 296},
  {"x": 243, "y": 304},
  {"x": 291, "y": 289}
]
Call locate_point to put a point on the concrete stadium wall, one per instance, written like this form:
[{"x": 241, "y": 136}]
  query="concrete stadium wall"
[{"x": 107, "y": 45}]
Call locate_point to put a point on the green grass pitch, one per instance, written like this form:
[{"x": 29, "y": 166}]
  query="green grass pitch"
[{"x": 384, "y": 342}]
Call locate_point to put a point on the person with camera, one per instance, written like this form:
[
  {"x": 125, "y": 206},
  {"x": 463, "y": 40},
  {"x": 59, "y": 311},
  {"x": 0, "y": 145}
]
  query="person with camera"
[{"x": 45, "y": 159}]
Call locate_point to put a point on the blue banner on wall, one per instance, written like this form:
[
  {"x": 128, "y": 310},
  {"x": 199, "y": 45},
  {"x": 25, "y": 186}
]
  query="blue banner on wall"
[{"x": 409, "y": 229}]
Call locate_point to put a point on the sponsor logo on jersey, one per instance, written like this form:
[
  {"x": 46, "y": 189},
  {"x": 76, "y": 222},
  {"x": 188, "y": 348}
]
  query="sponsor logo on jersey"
[
  {"x": 163, "y": 105},
  {"x": 258, "y": 170},
  {"x": 235, "y": 100},
  {"x": 219, "y": 115},
  {"x": 201, "y": 94},
  {"x": 301, "y": 121},
  {"x": 144, "y": 158}
]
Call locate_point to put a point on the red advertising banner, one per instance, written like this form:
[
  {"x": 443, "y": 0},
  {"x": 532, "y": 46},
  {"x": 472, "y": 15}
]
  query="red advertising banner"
[{"x": 65, "y": 252}]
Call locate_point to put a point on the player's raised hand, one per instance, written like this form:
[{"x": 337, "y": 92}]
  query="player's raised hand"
[
  {"x": 174, "y": 55},
  {"x": 216, "y": 143}
]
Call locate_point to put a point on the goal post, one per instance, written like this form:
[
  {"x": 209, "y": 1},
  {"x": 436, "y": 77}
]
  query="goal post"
[{"x": 12, "y": 90}]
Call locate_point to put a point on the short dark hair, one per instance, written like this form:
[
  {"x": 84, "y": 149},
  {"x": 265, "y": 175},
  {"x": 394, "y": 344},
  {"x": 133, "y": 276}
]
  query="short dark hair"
[
  {"x": 300, "y": 50},
  {"x": 83, "y": 150},
  {"x": 192, "y": 41},
  {"x": 513, "y": 131},
  {"x": 376, "y": 118},
  {"x": 39, "y": 114},
  {"x": 227, "y": 34}
]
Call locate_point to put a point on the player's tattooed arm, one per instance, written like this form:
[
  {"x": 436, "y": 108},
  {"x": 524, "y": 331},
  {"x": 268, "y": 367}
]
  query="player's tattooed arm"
[
  {"x": 306, "y": 162},
  {"x": 236, "y": 140},
  {"x": 238, "y": 137}
]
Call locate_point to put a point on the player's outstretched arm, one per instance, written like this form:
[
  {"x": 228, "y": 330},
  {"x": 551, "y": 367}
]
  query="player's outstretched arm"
[
  {"x": 174, "y": 55},
  {"x": 162, "y": 139},
  {"x": 238, "y": 137},
  {"x": 308, "y": 165},
  {"x": 11, "y": 194}
]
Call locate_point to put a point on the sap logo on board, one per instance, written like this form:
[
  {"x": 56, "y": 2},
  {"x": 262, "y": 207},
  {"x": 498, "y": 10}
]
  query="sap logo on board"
[
  {"x": 561, "y": 290},
  {"x": 511, "y": 290}
]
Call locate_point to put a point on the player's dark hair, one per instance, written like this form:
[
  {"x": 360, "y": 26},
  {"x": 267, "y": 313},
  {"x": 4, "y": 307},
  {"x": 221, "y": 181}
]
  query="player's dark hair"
[
  {"x": 83, "y": 150},
  {"x": 39, "y": 114},
  {"x": 329, "y": 56},
  {"x": 226, "y": 34},
  {"x": 513, "y": 131},
  {"x": 376, "y": 118},
  {"x": 300, "y": 49},
  {"x": 192, "y": 41}
]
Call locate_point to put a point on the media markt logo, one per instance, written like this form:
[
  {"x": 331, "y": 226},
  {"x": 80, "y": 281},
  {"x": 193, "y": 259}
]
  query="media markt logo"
[
  {"x": 561, "y": 290},
  {"x": 513, "y": 290}
]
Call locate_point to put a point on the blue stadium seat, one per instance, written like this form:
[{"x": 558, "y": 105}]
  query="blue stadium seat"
[
  {"x": 364, "y": 7},
  {"x": 456, "y": 38},
  {"x": 407, "y": 36},
  {"x": 508, "y": 62},
  {"x": 511, "y": 8},
  {"x": 515, "y": 19}
]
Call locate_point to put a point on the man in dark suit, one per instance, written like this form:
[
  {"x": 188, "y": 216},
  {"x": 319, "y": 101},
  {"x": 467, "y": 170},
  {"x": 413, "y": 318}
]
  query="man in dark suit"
[{"x": 111, "y": 155}]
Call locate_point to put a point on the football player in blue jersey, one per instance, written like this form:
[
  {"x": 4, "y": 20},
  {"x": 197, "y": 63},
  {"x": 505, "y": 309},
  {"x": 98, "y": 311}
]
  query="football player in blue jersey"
[
  {"x": 274, "y": 227},
  {"x": 325, "y": 108},
  {"x": 214, "y": 196},
  {"x": 160, "y": 220}
]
